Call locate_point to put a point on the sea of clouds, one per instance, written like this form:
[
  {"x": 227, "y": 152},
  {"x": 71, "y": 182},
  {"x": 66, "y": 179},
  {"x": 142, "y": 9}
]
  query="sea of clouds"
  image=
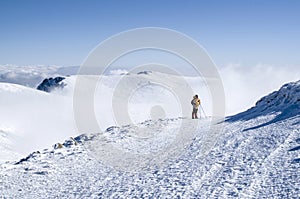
[{"x": 243, "y": 86}]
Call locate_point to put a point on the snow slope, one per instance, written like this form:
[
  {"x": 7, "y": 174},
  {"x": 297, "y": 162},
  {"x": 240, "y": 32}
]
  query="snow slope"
[
  {"x": 32, "y": 119},
  {"x": 285, "y": 103},
  {"x": 255, "y": 156}
]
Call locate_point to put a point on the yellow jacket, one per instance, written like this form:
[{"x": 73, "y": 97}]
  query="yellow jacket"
[{"x": 196, "y": 103}]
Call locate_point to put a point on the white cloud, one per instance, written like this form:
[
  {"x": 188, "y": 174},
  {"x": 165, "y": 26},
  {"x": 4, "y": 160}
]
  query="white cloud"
[{"x": 118, "y": 72}]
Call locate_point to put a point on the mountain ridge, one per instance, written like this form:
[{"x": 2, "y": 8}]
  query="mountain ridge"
[{"x": 285, "y": 103}]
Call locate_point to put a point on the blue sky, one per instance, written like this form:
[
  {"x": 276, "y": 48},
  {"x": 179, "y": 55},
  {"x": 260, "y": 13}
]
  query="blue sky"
[{"x": 63, "y": 32}]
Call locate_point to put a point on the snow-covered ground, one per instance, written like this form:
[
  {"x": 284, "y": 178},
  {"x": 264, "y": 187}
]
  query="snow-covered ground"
[
  {"x": 255, "y": 155},
  {"x": 261, "y": 163},
  {"x": 35, "y": 119}
]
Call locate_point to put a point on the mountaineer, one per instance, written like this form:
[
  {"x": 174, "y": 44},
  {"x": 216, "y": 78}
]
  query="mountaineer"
[{"x": 196, "y": 103}]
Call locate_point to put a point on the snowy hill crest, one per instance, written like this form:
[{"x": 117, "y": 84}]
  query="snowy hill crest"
[
  {"x": 288, "y": 95},
  {"x": 284, "y": 103}
]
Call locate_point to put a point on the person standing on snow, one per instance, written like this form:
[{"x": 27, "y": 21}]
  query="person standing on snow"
[{"x": 196, "y": 103}]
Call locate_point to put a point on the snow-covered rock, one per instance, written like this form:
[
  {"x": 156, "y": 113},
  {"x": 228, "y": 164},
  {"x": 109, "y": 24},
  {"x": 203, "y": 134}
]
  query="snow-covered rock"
[
  {"x": 50, "y": 84},
  {"x": 146, "y": 72},
  {"x": 287, "y": 96}
]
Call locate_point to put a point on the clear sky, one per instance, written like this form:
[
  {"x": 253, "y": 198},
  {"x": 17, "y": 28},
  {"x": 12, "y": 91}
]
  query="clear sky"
[{"x": 63, "y": 32}]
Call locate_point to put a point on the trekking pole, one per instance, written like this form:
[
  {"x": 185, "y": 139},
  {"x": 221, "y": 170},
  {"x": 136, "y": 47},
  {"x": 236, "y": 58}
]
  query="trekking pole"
[{"x": 203, "y": 111}]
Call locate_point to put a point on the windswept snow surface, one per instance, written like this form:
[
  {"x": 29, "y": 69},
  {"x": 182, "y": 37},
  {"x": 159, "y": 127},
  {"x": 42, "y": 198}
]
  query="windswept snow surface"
[
  {"x": 255, "y": 156},
  {"x": 261, "y": 163}
]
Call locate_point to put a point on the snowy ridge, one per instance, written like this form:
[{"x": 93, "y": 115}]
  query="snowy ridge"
[
  {"x": 286, "y": 96},
  {"x": 245, "y": 162},
  {"x": 284, "y": 103},
  {"x": 255, "y": 156}
]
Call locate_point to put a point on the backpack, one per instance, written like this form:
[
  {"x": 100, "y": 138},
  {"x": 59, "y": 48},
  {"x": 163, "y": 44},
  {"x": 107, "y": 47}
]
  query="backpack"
[{"x": 192, "y": 102}]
